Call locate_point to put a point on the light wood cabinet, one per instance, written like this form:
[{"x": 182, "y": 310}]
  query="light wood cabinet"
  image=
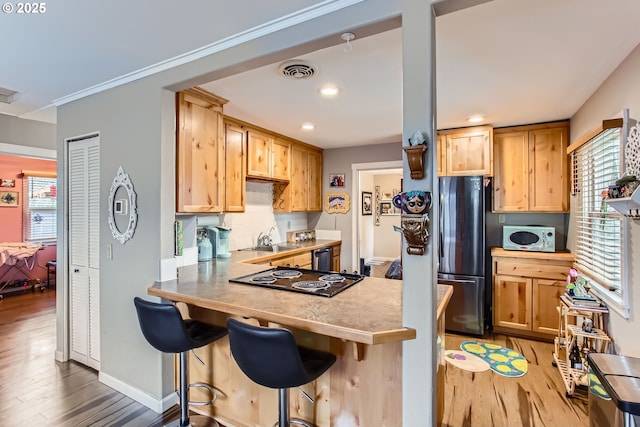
[
  {"x": 531, "y": 171},
  {"x": 303, "y": 193},
  {"x": 465, "y": 151},
  {"x": 267, "y": 156},
  {"x": 200, "y": 152},
  {"x": 526, "y": 291},
  {"x": 235, "y": 171}
]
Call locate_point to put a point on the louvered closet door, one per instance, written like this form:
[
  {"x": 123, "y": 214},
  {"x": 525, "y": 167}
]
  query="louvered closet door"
[{"x": 84, "y": 256}]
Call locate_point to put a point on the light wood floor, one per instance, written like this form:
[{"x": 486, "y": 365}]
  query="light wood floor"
[
  {"x": 35, "y": 390},
  {"x": 487, "y": 399}
]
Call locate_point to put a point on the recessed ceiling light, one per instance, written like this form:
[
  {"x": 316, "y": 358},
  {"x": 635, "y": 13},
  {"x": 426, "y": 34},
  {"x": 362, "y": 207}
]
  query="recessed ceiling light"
[
  {"x": 475, "y": 119},
  {"x": 328, "y": 91},
  {"x": 308, "y": 126}
]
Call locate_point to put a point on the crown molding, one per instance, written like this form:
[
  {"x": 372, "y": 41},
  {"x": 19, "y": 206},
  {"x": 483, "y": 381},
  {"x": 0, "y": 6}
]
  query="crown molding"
[{"x": 273, "y": 26}]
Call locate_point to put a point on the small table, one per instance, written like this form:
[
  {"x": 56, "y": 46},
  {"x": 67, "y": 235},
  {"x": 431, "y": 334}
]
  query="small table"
[{"x": 51, "y": 269}]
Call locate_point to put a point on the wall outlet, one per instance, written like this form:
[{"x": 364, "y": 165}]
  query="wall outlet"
[
  {"x": 501, "y": 218},
  {"x": 288, "y": 225},
  {"x": 109, "y": 251}
]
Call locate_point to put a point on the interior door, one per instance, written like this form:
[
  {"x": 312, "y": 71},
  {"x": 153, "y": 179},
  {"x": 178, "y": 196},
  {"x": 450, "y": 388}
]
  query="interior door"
[{"x": 84, "y": 256}]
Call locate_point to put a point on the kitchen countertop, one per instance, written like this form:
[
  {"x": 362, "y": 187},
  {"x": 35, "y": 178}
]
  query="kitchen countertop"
[
  {"x": 254, "y": 257},
  {"x": 559, "y": 255},
  {"x": 369, "y": 312}
]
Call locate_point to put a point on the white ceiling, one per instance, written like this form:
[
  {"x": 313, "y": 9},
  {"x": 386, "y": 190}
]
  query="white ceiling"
[{"x": 514, "y": 61}]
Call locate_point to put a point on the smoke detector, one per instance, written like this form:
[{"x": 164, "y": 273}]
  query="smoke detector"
[{"x": 298, "y": 69}]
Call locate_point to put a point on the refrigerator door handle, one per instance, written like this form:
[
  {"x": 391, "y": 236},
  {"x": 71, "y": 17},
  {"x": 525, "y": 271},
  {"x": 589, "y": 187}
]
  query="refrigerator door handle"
[
  {"x": 447, "y": 281},
  {"x": 441, "y": 222}
]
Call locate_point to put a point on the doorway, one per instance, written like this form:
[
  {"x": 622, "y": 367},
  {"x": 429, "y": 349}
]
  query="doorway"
[{"x": 375, "y": 239}]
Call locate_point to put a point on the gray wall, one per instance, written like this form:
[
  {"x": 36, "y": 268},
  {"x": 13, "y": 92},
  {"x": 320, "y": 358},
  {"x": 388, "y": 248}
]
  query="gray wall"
[
  {"x": 619, "y": 91},
  {"x": 30, "y": 133},
  {"x": 339, "y": 160},
  {"x": 137, "y": 132}
]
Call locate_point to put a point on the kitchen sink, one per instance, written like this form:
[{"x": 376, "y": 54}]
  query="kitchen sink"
[{"x": 273, "y": 248}]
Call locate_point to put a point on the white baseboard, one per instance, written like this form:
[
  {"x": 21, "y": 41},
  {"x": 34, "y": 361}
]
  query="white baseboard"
[
  {"x": 59, "y": 356},
  {"x": 156, "y": 405}
]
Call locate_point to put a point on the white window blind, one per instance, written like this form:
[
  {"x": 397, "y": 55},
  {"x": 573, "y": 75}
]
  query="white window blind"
[
  {"x": 39, "y": 208},
  {"x": 598, "y": 226}
]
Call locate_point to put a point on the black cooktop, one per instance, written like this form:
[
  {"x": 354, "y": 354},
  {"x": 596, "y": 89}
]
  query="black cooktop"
[{"x": 323, "y": 283}]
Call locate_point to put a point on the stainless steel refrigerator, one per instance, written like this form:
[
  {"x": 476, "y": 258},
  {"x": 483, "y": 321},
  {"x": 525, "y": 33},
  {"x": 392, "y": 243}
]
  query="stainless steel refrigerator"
[{"x": 462, "y": 252}]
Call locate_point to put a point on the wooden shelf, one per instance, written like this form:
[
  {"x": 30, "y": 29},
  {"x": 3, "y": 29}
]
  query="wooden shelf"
[{"x": 627, "y": 206}]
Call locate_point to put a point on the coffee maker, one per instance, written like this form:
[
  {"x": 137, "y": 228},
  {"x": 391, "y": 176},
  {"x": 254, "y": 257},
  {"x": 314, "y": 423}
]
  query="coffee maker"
[{"x": 219, "y": 236}]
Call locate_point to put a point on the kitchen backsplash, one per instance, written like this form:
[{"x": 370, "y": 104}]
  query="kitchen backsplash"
[{"x": 257, "y": 218}]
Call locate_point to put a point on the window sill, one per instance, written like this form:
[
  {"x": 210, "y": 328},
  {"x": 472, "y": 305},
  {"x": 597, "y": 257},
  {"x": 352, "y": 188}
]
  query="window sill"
[{"x": 612, "y": 300}]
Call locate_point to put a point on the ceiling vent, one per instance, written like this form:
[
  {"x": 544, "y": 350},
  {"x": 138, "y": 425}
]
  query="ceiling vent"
[
  {"x": 6, "y": 95},
  {"x": 297, "y": 70}
]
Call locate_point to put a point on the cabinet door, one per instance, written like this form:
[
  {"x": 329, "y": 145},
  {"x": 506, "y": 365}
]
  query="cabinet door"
[
  {"x": 235, "y": 168},
  {"x": 470, "y": 152},
  {"x": 549, "y": 171},
  {"x": 315, "y": 181},
  {"x": 512, "y": 302},
  {"x": 546, "y": 299},
  {"x": 299, "y": 178},
  {"x": 510, "y": 172},
  {"x": 441, "y": 153},
  {"x": 200, "y": 155},
  {"x": 259, "y": 146},
  {"x": 281, "y": 160}
]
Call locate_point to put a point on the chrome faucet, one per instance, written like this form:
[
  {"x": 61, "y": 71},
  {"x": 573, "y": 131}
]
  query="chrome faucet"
[{"x": 265, "y": 239}]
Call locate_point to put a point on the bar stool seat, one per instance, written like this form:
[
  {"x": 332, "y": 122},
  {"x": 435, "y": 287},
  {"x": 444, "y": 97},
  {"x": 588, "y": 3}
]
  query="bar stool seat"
[
  {"x": 166, "y": 331},
  {"x": 270, "y": 357}
]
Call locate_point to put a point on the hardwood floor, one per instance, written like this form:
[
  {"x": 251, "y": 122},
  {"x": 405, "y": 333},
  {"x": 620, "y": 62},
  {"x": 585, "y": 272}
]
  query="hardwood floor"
[
  {"x": 487, "y": 399},
  {"x": 35, "y": 390}
]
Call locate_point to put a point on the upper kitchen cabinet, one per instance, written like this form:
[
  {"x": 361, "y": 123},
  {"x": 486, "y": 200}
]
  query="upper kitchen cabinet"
[
  {"x": 531, "y": 172},
  {"x": 235, "y": 167},
  {"x": 200, "y": 152},
  {"x": 268, "y": 157},
  {"x": 465, "y": 152},
  {"x": 306, "y": 179}
]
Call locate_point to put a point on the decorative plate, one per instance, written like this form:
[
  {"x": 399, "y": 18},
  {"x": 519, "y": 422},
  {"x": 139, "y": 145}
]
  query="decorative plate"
[
  {"x": 287, "y": 274},
  {"x": 263, "y": 279},
  {"x": 333, "y": 278},
  {"x": 632, "y": 152},
  {"x": 311, "y": 285}
]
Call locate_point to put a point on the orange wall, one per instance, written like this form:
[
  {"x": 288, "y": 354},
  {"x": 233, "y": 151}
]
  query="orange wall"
[{"x": 11, "y": 217}]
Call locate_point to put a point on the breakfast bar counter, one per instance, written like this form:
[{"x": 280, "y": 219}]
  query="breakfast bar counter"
[
  {"x": 369, "y": 312},
  {"x": 361, "y": 325}
]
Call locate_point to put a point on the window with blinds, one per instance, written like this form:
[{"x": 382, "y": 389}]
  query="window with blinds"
[
  {"x": 39, "y": 208},
  {"x": 598, "y": 227}
]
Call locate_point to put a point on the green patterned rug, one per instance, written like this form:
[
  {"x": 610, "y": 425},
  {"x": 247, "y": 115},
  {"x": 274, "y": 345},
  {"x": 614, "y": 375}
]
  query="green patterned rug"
[{"x": 500, "y": 359}]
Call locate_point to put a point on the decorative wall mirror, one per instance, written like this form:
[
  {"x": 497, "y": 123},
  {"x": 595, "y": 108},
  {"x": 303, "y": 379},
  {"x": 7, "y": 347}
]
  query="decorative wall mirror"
[{"x": 123, "y": 215}]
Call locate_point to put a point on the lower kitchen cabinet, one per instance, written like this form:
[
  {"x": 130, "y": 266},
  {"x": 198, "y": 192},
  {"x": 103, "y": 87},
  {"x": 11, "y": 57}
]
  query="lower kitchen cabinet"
[{"x": 526, "y": 291}]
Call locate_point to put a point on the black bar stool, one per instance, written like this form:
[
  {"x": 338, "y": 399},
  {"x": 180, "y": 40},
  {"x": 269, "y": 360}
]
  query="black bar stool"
[
  {"x": 271, "y": 358},
  {"x": 166, "y": 330}
]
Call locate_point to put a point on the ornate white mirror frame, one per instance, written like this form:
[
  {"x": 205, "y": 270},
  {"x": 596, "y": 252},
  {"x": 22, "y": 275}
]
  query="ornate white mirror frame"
[{"x": 122, "y": 180}]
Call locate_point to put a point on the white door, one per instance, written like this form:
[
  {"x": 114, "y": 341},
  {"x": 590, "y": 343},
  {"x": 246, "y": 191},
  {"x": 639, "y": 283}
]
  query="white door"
[{"x": 84, "y": 244}]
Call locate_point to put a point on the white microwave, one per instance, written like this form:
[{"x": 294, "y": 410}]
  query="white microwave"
[{"x": 533, "y": 238}]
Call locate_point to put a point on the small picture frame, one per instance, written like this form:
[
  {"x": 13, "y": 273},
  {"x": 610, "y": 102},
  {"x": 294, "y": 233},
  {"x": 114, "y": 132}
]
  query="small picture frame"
[
  {"x": 387, "y": 195},
  {"x": 336, "y": 180},
  {"x": 367, "y": 203},
  {"x": 7, "y": 182},
  {"x": 386, "y": 208},
  {"x": 9, "y": 198}
]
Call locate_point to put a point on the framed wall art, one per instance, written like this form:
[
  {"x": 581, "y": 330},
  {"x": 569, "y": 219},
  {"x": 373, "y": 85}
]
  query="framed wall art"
[
  {"x": 7, "y": 182},
  {"x": 337, "y": 203},
  {"x": 9, "y": 198},
  {"x": 336, "y": 180},
  {"x": 367, "y": 203}
]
